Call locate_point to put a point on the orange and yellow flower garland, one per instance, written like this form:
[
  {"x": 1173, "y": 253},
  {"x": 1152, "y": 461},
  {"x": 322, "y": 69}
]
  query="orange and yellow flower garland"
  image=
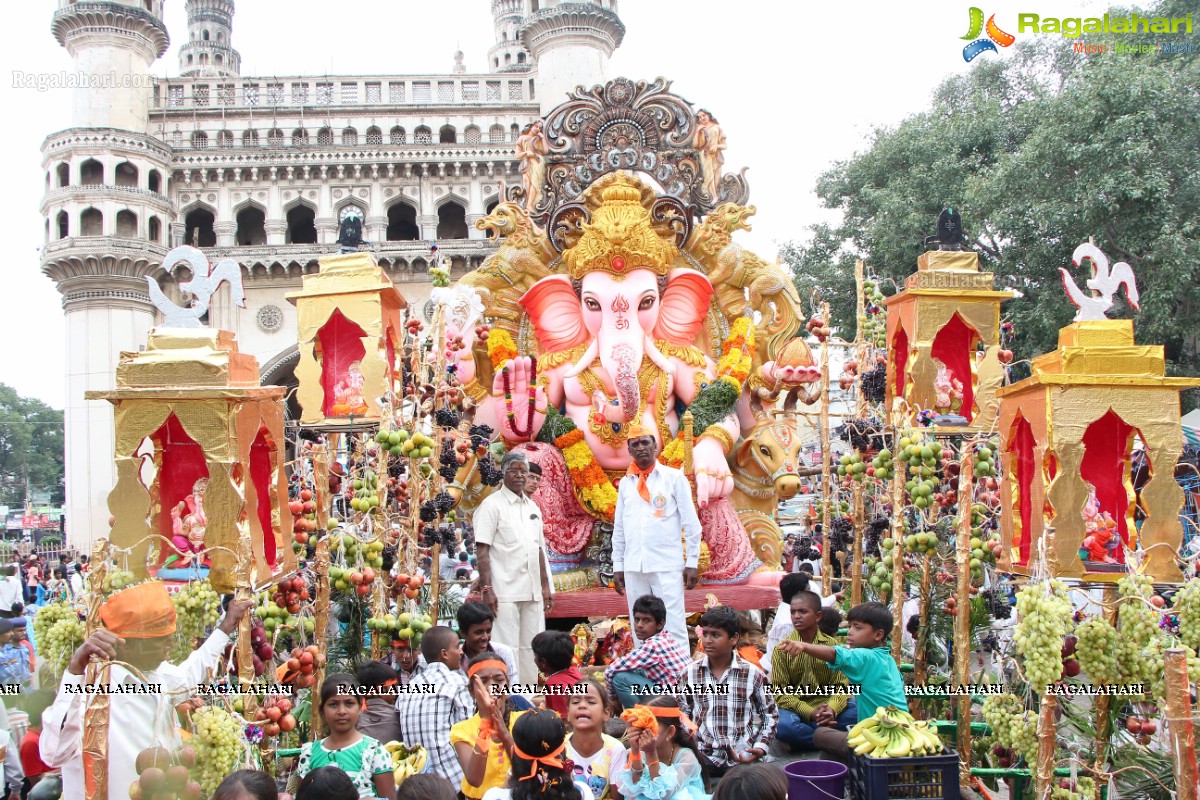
[
  {"x": 591, "y": 484},
  {"x": 501, "y": 348}
]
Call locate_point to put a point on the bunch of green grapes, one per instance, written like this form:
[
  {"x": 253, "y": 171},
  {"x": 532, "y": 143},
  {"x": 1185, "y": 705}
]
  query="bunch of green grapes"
[
  {"x": 116, "y": 580},
  {"x": 197, "y": 607},
  {"x": 1187, "y": 608},
  {"x": 1013, "y": 726},
  {"x": 1137, "y": 622},
  {"x": 218, "y": 744},
  {"x": 1085, "y": 789},
  {"x": 58, "y": 632},
  {"x": 1044, "y": 619},
  {"x": 1096, "y": 648}
]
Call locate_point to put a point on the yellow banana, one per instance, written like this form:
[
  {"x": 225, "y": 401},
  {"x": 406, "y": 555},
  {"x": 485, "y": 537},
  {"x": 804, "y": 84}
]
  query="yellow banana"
[
  {"x": 900, "y": 747},
  {"x": 873, "y": 736},
  {"x": 864, "y": 748}
]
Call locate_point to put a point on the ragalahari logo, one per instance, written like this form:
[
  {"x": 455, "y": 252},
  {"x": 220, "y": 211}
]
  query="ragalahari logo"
[{"x": 995, "y": 36}]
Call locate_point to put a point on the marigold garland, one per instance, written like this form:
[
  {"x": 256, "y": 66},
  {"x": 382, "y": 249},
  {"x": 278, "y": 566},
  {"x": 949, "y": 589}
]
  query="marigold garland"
[
  {"x": 501, "y": 348},
  {"x": 590, "y": 482}
]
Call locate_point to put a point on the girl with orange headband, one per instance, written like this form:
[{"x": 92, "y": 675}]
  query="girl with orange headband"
[
  {"x": 483, "y": 743},
  {"x": 540, "y": 768},
  {"x": 663, "y": 763}
]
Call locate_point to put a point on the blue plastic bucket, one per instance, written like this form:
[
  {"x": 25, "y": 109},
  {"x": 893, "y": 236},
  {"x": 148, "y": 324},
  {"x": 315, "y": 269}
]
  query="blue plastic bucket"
[{"x": 816, "y": 780}]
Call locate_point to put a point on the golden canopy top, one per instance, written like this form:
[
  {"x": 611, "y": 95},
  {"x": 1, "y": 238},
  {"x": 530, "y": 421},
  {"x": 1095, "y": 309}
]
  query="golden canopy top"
[{"x": 187, "y": 357}]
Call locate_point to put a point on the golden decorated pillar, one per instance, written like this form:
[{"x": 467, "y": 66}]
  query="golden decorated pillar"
[
  {"x": 1068, "y": 435},
  {"x": 199, "y": 450},
  {"x": 937, "y": 326},
  {"x": 349, "y": 335}
]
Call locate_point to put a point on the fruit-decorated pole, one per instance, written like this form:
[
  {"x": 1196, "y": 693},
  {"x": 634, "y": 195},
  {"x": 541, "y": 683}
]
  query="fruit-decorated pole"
[
  {"x": 689, "y": 440},
  {"x": 856, "y": 547},
  {"x": 321, "y": 498},
  {"x": 1104, "y": 701},
  {"x": 1047, "y": 749},
  {"x": 1180, "y": 727},
  {"x": 379, "y": 607},
  {"x": 920, "y": 660},
  {"x": 321, "y": 612},
  {"x": 826, "y": 464},
  {"x": 245, "y": 591},
  {"x": 96, "y": 711},
  {"x": 962, "y": 619},
  {"x": 860, "y": 413},
  {"x": 898, "y": 477}
]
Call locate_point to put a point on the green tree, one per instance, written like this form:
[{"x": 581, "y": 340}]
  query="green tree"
[
  {"x": 31, "y": 448},
  {"x": 1039, "y": 152}
]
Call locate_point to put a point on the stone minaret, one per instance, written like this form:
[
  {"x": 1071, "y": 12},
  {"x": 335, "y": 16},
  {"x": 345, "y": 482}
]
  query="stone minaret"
[
  {"x": 570, "y": 42},
  {"x": 107, "y": 216},
  {"x": 209, "y": 51},
  {"x": 508, "y": 54}
]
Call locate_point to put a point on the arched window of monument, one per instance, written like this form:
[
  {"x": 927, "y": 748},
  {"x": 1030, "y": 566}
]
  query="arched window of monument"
[
  {"x": 154, "y": 181},
  {"x": 127, "y": 224},
  {"x": 397, "y": 135},
  {"x": 153, "y": 229},
  {"x": 325, "y": 136},
  {"x": 452, "y": 221},
  {"x": 91, "y": 173},
  {"x": 447, "y": 135},
  {"x": 251, "y": 227},
  {"x": 91, "y": 222},
  {"x": 423, "y": 135},
  {"x": 219, "y": 60},
  {"x": 491, "y": 206},
  {"x": 350, "y": 137},
  {"x": 299, "y": 138},
  {"x": 374, "y": 135},
  {"x": 205, "y": 36},
  {"x": 250, "y": 138},
  {"x": 402, "y": 223},
  {"x": 301, "y": 225},
  {"x": 64, "y": 224},
  {"x": 225, "y": 139},
  {"x": 496, "y": 134},
  {"x": 198, "y": 228},
  {"x": 63, "y": 171},
  {"x": 199, "y": 140},
  {"x": 472, "y": 135}
]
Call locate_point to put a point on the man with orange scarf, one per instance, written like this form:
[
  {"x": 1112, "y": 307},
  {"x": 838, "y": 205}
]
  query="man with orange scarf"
[
  {"x": 139, "y": 626},
  {"x": 654, "y": 506}
]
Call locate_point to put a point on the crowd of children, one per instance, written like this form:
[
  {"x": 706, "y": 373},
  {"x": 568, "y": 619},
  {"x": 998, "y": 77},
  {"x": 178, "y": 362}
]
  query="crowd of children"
[
  {"x": 662, "y": 725},
  {"x": 714, "y": 717}
]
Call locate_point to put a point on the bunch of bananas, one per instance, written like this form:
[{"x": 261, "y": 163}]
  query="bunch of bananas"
[
  {"x": 406, "y": 760},
  {"x": 893, "y": 733}
]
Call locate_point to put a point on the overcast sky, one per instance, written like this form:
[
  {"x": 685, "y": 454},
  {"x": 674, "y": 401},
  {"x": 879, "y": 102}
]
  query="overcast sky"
[{"x": 796, "y": 85}]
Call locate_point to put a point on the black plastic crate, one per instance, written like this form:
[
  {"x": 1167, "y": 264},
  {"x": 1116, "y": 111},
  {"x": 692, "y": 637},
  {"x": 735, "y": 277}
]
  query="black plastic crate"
[{"x": 927, "y": 777}]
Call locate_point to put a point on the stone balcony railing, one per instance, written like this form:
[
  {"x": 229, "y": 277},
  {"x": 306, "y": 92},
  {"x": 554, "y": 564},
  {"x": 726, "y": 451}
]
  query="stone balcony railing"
[
  {"x": 408, "y": 250},
  {"x": 96, "y": 191},
  {"x": 432, "y": 92}
]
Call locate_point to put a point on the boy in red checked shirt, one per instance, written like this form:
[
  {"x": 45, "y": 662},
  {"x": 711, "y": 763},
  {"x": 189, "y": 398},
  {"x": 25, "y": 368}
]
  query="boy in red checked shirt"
[{"x": 554, "y": 654}]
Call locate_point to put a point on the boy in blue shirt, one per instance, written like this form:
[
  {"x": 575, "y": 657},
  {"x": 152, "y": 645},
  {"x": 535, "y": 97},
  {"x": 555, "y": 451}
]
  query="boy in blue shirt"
[
  {"x": 14, "y": 658},
  {"x": 866, "y": 661}
]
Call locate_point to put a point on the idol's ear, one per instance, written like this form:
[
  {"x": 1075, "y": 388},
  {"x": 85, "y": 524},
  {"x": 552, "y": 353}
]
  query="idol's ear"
[
  {"x": 556, "y": 313},
  {"x": 684, "y": 306}
]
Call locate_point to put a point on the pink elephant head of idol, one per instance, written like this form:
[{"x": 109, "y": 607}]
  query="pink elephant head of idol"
[{"x": 619, "y": 317}]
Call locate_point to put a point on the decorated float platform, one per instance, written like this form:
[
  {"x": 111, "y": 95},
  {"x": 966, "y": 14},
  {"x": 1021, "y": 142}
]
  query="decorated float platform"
[{"x": 618, "y": 298}]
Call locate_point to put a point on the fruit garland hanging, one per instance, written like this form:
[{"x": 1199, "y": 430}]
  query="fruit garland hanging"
[
  {"x": 592, "y": 487},
  {"x": 716, "y": 399}
]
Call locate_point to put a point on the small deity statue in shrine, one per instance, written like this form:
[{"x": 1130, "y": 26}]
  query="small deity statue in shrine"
[
  {"x": 347, "y": 393},
  {"x": 188, "y": 526},
  {"x": 190, "y": 544},
  {"x": 1100, "y": 544},
  {"x": 350, "y": 230},
  {"x": 948, "y": 391}
]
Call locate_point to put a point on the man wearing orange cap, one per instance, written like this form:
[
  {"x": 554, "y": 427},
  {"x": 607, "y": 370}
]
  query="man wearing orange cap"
[
  {"x": 654, "y": 505},
  {"x": 139, "y": 625}
]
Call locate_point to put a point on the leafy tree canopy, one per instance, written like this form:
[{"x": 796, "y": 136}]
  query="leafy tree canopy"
[
  {"x": 1039, "y": 152},
  {"x": 31, "y": 448}
]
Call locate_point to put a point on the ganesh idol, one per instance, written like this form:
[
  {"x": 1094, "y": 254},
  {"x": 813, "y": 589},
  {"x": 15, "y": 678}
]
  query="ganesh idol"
[{"x": 615, "y": 332}]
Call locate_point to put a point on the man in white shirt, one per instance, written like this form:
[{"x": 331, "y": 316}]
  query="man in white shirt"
[
  {"x": 654, "y": 505},
  {"x": 510, "y": 553},
  {"x": 10, "y": 592},
  {"x": 139, "y": 626}
]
